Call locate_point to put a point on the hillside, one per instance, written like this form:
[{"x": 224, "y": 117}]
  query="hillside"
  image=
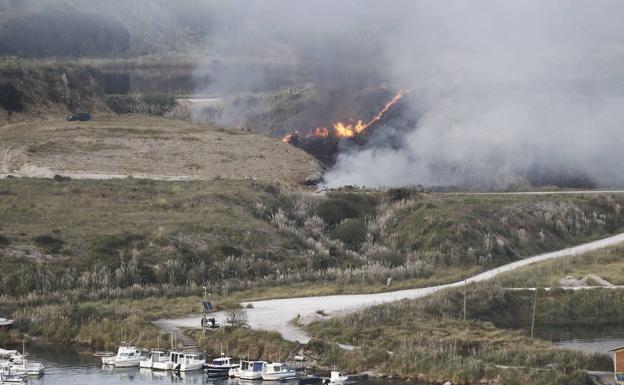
[
  {"x": 241, "y": 234},
  {"x": 136, "y": 145},
  {"x": 35, "y": 89}
]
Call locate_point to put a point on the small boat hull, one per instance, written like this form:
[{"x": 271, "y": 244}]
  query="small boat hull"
[
  {"x": 251, "y": 376},
  {"x": 190, "y": 367},
  {"x": 234, "y": 373},
  {"x": 126, "y": 363},
  {"x": 163, "y": 365},
  {"x": 219, "y": 371},
  {"x": 281, "y": 376}
]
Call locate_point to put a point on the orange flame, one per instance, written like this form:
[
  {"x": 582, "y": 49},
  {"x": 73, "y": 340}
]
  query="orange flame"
[
  {"x": 319, "y": 132},
  {"x": 288, "y": 137},
  {"x": 348, "y": 130}
]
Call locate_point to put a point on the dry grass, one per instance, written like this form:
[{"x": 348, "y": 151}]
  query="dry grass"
[{"x": 142, "y": 146}]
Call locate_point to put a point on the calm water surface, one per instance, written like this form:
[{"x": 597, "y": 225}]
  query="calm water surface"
[
  {"x": 599, "y": 339},
  {"x": 66, "y": 366}
]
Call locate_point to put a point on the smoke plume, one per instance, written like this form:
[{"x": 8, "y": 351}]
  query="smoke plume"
[{"x": 505, "y": 91}]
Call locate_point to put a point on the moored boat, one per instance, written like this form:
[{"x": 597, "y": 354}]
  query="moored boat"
[
  {"x": 336, "y": 377},
  {"x": 221, "y": 366},
  {"x": 26, "y": 368},
  {"x": 277, "y": 371},
  {"x": 127, "y": 357},
  {"x": 12, "y": 355},
  {"x": 190, "y": 362},
  {"x": 155, "y": 356},
  {"x": 236, "y": 372},
  {"x": 253, "y": 371},
  {"x": 8, "y": 377},
  {"x": 171, "y": 363}
]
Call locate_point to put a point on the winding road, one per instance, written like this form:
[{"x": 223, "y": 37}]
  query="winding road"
[{"x": 276, "y": 314}]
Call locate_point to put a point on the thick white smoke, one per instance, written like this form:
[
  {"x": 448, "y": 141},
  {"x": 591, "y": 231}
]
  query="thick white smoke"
[
  {"x": 508, "y": 89},
  {"x": 501, "y": 90}
]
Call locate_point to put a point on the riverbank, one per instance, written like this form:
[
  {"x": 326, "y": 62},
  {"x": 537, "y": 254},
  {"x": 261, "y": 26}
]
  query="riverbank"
[{"x": 429, "y": 341}]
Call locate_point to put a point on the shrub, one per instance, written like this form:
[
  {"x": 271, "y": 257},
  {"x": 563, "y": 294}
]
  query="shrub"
[
  {"x": 49, "y": 242},
  {"x": 10, "y": 98},
  {"x": 401, "y": 193},
  {"x": 163, "y": 100},
  {"x": 352, "y": 232},
  {"x": 4, "y": 241},
  {"x": 335, "y": 210}
]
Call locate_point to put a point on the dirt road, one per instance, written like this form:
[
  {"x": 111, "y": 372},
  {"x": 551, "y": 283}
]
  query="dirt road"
[{"x": 277, "y": 314}]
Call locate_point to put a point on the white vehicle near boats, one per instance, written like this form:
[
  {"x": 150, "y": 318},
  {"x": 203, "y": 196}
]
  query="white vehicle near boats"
[
  {"x": 236, "y": 372},
  {"x": 253, "y": 371},
  {"x": 127, "y": 357},
  {"x": 189, "y": 362},
  {"x": 277, "y": 371},
  {"x": 221, "y": 366},
  {"x": 155, "y": 356}
]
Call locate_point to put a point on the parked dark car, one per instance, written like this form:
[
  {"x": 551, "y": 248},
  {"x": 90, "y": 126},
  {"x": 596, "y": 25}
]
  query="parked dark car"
[{"x": 81, "y": 116}]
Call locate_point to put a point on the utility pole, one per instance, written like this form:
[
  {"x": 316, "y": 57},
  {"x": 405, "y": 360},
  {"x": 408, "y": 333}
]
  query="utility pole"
[{"x": 534, "y": 308}]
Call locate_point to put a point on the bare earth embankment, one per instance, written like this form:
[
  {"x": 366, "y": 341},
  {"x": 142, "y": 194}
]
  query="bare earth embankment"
[{"x": 144, "y": 147}]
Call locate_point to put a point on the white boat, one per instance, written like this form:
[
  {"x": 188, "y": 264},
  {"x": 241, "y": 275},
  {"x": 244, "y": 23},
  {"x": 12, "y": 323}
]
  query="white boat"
[
  {"x": 277, "y": 371},
  {"x": 127, "y": 357},
  {"x": 221, "y": 366},
  {"x": 25, "y": 368},
  {"x": 170, "y": 364},
  {"x": 336, "y": 377},
  {"x": 253, "y": 371},
  {"x": 6, "y": 377},
  {"x": 190, "y": 362},
  {"x": 13, "y": 355},
  {"x": 155, "y": 356},
  {"x": 19, "y": 365},
  {"x": 236, "y": 372}
]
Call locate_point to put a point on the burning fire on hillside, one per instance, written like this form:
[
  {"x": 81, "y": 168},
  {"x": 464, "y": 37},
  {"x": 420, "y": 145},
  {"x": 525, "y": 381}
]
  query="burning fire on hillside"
[{"x": 344, "y": 129}]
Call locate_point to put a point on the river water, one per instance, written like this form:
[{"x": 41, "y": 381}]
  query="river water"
[
  {"x": 66, "y": 366},
  {"x": 599, "y": 339}
]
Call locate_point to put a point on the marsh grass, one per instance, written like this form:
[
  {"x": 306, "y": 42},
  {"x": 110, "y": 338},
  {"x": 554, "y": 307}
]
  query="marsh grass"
[{"x": 429, "y": 340}]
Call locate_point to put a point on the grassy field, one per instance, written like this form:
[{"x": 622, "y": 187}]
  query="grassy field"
[
  {"x": 234, "y": 235},
  {"x": 430, "y": 341},
  {"x": 148, "y": 147},
  {"x": 607, "y": 264},
  {"x": 87, "y": 258}
]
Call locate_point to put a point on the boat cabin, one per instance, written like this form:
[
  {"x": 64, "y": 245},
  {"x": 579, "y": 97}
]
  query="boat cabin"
[
  {"x": 618, "y": 365},
  {"x": 221, "y": 361},
  {"x": 256, "y": 366},
  {"x": 5, "y": 324}
]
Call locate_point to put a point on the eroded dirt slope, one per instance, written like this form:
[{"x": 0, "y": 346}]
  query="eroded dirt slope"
[{"x": 145, "y": 147}]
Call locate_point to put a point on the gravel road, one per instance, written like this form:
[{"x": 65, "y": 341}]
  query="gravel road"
[{"x": 276, "y": 314}]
